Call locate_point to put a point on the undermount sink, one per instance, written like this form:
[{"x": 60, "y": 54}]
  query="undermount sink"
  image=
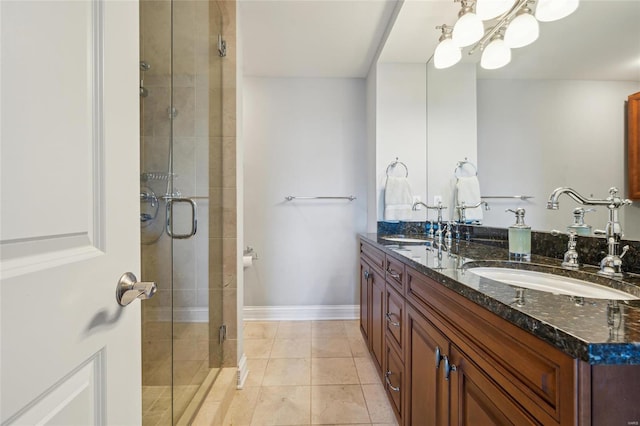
[
  {"x": 551, "y": 283},
  {"x": 403, "y": 239}
]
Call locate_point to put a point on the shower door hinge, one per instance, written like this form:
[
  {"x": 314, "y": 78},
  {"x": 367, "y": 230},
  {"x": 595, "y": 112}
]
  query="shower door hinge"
[
  {"x": 222, "y": 46},
  {"x": 222, "y": 333}
]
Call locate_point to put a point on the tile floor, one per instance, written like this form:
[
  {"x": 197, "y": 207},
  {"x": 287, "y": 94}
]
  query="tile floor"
[{"x": 309, "y": 373}]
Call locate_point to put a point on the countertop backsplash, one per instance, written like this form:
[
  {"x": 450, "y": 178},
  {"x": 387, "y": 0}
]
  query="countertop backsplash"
[{"x": 590, "y": 249}]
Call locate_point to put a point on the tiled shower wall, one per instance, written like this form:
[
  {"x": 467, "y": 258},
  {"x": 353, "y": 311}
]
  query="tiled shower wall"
[
  {"x": 204, "y": 267},
  {"x": 226, "y": 184}
]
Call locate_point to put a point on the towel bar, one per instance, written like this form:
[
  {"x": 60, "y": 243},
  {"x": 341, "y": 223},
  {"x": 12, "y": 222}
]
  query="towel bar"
[
  {"x": 522, "y": 197},
  {"x": 295, "y": 197}
]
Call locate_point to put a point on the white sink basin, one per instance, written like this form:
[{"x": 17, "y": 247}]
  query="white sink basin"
[
  {"x": 404, "y": 239},
  {"x": 551, "y": 283}
]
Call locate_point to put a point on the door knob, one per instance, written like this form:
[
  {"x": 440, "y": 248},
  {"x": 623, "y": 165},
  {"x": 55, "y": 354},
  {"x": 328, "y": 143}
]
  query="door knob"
[{"x": 129, "y": 289}]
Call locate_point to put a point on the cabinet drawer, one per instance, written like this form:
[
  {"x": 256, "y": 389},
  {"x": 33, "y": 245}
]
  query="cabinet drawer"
[
  {"x": 393, "y": 377},
  {"x": 394, "y": 317},
  {"x": 394, "y": 270},
  {"x": 374, "y": 255}
]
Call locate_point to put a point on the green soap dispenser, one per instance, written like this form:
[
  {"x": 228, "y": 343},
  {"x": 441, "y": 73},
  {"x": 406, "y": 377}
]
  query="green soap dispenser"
[
  {"x": 519, "y": 237},
  {"x": 578, "y": 226}
]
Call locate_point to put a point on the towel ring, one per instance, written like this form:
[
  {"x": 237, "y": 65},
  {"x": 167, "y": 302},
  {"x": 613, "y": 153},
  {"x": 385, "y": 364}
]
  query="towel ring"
[
  {"x": 392, "y": 165},
  {"x": 460, "y": 165}
]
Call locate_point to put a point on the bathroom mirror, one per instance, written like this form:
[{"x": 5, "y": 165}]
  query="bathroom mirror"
[{"x": 555, "y": 116}]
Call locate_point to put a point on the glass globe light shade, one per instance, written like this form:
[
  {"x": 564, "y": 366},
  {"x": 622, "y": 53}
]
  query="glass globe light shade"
[
  {"x": 522, "y": 31},
  {"x": 447, "y": 54},
  {"x": 489, "y": 9},
  {"x": 467, "y": 30},
  {"x": 552, "y": 10},
  {"x": 496, "y": 55}
]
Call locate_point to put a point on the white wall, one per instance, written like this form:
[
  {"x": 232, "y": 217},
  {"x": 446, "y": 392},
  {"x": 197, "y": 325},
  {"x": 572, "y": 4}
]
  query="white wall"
[
  {"x": 372, "y": 187},
  {"x": 307, "y": 137},
  {"x": 401, "y": 129},
  {"x": 537, "y": 135}
]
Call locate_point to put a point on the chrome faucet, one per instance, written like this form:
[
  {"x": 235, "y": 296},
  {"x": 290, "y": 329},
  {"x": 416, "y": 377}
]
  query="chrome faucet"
[
  {"x": 570, "y": 260},
  {"x": 462, "y": 207},
  {"x": 438, "y": 207},
  {"x": 611, "y": 265}
]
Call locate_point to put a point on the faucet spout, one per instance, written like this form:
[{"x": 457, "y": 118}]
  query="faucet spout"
[{"x": 612, "y": 202}]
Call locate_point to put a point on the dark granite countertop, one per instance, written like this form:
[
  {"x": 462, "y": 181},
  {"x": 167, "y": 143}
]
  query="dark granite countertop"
[{"x": 597, "y": 331}]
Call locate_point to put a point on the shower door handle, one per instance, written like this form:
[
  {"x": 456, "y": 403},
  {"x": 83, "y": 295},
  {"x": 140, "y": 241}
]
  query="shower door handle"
[
  {"x": 129, "y": 289},
  {"x": 194, "y": 217}
]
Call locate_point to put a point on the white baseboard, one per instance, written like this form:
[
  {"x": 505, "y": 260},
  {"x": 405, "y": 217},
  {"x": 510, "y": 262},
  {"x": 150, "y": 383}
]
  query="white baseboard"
[
  {"x": 304, "y": 312},
  {"x": 243, "y": 371}
]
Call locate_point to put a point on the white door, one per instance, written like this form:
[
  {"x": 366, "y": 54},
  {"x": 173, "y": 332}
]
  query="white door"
[{"x": 69, "y": 225}]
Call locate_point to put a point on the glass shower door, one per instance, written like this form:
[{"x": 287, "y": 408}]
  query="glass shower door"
[{"x": 180, "y": 111}]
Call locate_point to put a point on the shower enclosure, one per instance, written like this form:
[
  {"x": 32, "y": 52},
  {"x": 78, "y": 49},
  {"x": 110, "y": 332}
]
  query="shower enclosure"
[{"x": 180, "y": 210}]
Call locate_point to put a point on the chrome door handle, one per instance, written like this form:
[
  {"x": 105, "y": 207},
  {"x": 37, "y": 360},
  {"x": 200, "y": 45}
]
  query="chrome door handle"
[
  {"x": 194, "y": 217},
  {"x": 129, "y": 289}
]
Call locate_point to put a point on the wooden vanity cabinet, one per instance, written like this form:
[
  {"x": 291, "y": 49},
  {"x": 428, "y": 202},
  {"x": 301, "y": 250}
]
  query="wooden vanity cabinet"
[
  {"x": 446, "y": 361},
  {"x": 372, "y": 309}
]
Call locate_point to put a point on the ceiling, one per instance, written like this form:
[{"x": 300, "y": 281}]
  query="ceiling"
[
  {"x": 341, "y": 38},
  {"x": 312, "y": 38}
]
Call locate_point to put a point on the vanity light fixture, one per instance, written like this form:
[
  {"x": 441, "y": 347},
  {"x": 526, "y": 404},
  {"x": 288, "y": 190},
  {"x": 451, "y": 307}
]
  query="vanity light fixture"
[
  {"x": 490, "y": 9},
  {"x": 510, "y": 24},
  {"x": 469, "y": 28},
  {"x": 523, "y": 30},
  {"x": 447, "y": 54},
  {"x": 497, "y": 54},
  {"x": 552, "y": 10}
]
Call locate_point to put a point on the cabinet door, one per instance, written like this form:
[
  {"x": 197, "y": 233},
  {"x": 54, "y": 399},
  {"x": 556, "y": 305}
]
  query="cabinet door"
[
  {"x": 377, "y": 318},
  {"x": 365, "y": 276},
  {"x": 427, "y": 391},
  {"x": 475, "y": 399}
]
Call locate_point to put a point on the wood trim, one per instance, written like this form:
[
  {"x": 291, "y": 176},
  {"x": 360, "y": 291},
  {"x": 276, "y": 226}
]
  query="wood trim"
[{"x": 633, "y": 145}]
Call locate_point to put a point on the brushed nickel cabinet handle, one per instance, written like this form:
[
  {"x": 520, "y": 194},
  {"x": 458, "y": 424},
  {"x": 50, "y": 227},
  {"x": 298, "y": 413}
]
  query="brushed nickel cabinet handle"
[
  {"x": 386, "y": 378},
  {"x": 390, "y": 321}
]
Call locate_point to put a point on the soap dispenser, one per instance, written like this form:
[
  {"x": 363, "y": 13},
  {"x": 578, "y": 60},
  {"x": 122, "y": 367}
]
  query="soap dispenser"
[
  {"x": 519, "y": 237},
  {"x": 578, "y": 226}
]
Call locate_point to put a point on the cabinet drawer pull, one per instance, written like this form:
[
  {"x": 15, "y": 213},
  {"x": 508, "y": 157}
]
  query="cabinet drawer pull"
[
  {"x": 386, "y": 378},
  {"x": 393, "y": 274},
  {"x": 448, "y": 368},
  {"x": 438, "y": 357},
  {"x": 390, "y": 321}
]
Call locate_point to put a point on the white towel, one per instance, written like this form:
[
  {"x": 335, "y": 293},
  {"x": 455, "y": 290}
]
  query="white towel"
[
  {"x": 468, "y": 190},
  {"x": 398, "y": 199}
]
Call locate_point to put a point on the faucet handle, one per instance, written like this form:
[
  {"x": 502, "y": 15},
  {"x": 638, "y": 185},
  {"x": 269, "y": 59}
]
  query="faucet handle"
[{"x": 625, "y": 249}]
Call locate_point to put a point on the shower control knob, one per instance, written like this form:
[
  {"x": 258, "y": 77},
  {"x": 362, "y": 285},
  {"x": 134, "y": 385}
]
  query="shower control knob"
[{"x": 129, "y": 289}]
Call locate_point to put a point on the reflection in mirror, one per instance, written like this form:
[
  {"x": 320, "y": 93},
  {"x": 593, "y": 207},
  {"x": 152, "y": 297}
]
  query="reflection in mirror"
[{"x": 555, "y": 116}]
